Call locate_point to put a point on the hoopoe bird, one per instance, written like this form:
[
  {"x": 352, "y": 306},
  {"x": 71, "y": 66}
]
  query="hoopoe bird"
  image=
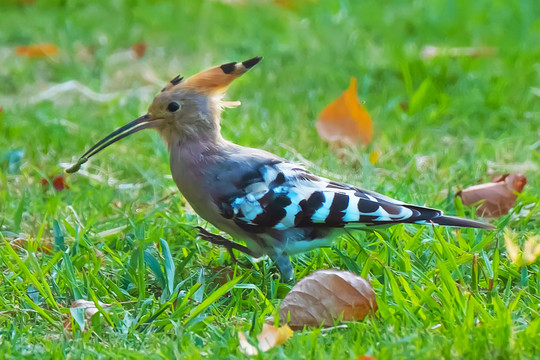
[{"x": 275, "y": 206}]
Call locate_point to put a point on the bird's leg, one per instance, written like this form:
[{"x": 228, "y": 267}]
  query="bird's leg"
[
  {"x": 285, "y": 267},
  {"x": 220, "y": 240}
]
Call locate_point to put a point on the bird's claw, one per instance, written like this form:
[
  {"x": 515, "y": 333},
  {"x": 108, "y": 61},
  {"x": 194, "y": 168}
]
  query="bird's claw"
[{"x": 221, "y": 241}]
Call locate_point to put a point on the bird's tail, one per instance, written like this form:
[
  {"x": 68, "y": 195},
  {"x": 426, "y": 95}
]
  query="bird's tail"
[{"x": 445, "y": 220}]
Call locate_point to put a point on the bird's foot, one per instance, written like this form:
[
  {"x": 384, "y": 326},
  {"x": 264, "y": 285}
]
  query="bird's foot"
[{"x": 221, "y": 241}]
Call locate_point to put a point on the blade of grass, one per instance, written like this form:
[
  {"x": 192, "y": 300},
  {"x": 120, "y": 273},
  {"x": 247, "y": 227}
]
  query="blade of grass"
[{"x": 212, "y": 298}]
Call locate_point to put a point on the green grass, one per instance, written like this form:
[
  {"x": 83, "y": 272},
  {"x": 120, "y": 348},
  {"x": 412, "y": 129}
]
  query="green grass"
[{"x": 121, "y": 234}]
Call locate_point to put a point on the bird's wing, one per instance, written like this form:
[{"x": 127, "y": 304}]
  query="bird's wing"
[{"x": 278, "y": 195}]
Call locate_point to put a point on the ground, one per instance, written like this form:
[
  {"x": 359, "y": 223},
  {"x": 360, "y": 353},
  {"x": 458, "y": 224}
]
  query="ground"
[{"x": 120, "y": 233}]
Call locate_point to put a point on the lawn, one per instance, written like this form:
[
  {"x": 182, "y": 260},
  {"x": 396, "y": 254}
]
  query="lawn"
[{"x": 119, "y": 231}]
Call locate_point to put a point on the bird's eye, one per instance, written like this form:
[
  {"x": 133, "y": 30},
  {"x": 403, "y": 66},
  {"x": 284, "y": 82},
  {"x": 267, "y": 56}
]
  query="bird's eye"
[{"x": 173, "y": 106}]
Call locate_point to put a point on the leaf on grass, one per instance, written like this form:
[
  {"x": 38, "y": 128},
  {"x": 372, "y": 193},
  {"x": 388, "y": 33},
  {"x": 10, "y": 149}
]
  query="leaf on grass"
[
  {"x": 430, "y": 52},
  {"x": 58, "y": 182},
  {"x": 36, "y": 50},
  {"x": 82, "y": 312},
  {"x": 345, "y": 121},
  {"x": 374, "y": 157},
  {"x": 139, "y": 49},
  {"x": 530, "y": 252},
  {"x": 45, "y": 246},
  {"x": 294, "y": 4},
  {"x": 270, "y": 336},
  {"x": 496, "y": 198},
  {"x": 327, "y": 296}
]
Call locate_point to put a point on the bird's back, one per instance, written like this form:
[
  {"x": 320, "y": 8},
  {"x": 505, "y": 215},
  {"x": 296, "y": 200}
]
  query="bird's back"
[{"x": 273, "y": 199}]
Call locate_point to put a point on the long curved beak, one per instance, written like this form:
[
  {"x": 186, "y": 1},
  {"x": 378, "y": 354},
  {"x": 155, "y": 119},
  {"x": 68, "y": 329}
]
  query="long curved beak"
[{"x": 144, "y": 122}]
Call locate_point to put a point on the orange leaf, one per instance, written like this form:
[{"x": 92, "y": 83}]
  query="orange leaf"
[
  {"x": 36, "y": 50},
  {"x": 345, "y": 120},
  {"x": 139, "y": 49}
]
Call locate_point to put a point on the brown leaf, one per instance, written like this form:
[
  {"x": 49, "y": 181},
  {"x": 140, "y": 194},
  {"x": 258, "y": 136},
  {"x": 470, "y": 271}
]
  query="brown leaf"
[
  {"x": 269, "y": 337},
  {"x": 90, "y": 310},
  {"x": 139, "y": 49},
  {"x": 345, "y": 120},
  {"x": 36, "y": 50},
  {"x": 58, "y": 182},
  {"x": 495, "y": 198},
  {"x": 327, "y": 296},
  {"x": 294, "y": 4},
  {"x": 45, "y": 246}
]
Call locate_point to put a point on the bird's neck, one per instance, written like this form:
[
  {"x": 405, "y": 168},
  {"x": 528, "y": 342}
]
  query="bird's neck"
[
  {"x": 193, "y": 163},
  {"x": 197, "y": 150}
]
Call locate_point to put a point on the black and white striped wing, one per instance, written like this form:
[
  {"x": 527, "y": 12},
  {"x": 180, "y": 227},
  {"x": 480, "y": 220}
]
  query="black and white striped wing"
[{"x": 281, "y": 196}]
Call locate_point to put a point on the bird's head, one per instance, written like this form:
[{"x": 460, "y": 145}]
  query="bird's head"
[{"x": 184, "y": 109}]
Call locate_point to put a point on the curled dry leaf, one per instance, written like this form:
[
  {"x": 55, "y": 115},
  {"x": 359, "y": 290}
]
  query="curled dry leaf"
[
  {"x": 345, "y": 121},
  {"x": 269, "y": 337},
  {"x": 36, "y": 50},
  {"x": 327, "y": 296},
  {"x": 495, "y": 198},
  {"x": 82, "y": 311}
]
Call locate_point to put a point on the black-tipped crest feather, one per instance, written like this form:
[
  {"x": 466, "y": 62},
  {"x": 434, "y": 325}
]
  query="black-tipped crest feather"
[
  {"x": 252, "y": 62},
  {"x": 228, "y": 68}
]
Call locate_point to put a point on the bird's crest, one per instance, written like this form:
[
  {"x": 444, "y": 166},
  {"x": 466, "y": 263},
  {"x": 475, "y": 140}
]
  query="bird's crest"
[{"x": 214, "y": 80}]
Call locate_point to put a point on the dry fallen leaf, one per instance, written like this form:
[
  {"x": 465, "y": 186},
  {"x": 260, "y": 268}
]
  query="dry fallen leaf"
[
  {"x": 45, "y": 246},
  {"x": 495, "y": 198},
  {"x": 293, "y": 4},
  {"x": 269, "y": 337},
  {"x": 82, "y": 312},
  {"x": 345, "y": 121},
  {"x": 139, "y": 49},
  {"x": 36, "y": 50},
  {"x": 326, "y": 296},
  {"x": 58, "y": 182},
  {"x": 430, "y": 52},
  {"x": 530, "y": 252}
]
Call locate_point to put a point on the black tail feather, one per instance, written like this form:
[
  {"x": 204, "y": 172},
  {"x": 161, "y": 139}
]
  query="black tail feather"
[{"x": 455, "y": 221}]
